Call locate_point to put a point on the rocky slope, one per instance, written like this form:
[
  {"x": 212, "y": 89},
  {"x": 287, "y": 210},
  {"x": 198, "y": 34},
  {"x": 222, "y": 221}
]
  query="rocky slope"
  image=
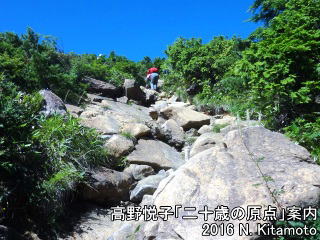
[{"x": 176, "y": 164}]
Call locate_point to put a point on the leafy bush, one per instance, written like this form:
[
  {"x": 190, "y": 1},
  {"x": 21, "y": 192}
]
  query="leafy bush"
[
  {"x": 33, "y": 62},
  {"x": 20, "y": 163},
  {"x": 191, "y": 62},
  {"x": 310, "y": 223},
  {"x": 281, "y": 69},
  {"x": 71, "y": 149},
  {"x": 113, "y": 69},
  {"x": 42, "y": 160},
  {"x": 306, "y": 133}
]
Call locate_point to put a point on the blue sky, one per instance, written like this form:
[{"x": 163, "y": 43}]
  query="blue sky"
[{"x": 131, "y": 28}]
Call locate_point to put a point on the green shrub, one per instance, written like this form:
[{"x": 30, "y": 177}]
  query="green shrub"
[
  {"x": 310, "y": 223},
  {"x": 71, "y": 150},
  {"x": 192, "y": 62},
  {"x": 307, "y": 134},
  {"x": 281, "y": 67},
  {"x": 42, "y": 160},
  {"x": 113, "y": 69},
  {"x": 122, "y": 162},
  {"x": 33, "y": 62},
  {"x": 20, "y": 164},
  {"x": 65, "y": 139}
]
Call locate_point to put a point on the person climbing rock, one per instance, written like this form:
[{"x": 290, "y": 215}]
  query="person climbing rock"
[{"x": 153, "y": 77}]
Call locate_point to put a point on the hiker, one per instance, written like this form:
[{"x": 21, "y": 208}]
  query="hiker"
[{"x": 153, "y": 77}]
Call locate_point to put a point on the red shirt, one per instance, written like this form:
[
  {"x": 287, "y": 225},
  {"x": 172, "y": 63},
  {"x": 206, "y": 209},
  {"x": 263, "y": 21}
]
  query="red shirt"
[{"x": 152, "y": 70}]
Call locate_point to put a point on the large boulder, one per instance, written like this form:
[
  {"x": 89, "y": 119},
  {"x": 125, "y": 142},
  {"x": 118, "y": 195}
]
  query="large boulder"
[
  {"x": 107, "y": 186},
  {"x": 103, "y": 88},
  {"x": 133, "y": 91},
  {"x": 119, "y": 145},
  {"x": 139, "y": 172},
  {"x": 185, "y": 117},
  {"x": 125, "y": 113},
  {"x": 155, "y": 154},
  {"x": 257, "y": 168},
  {"x": 137, "y": 130},
  {"x": 151, "y": 96},
  {"x": 52, "y": 104},
  {"x": 147, "y": 186},
  {"x": 105, "y": 124},
  {"x": 204, "y": 142},
  {"x": 173, "y": 133}
]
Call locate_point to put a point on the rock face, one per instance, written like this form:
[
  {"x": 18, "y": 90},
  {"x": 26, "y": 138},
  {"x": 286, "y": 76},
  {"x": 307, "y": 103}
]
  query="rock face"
[
  {"x": 119, "y": 145},
  {"x": 52, "y": 104},
  {"x": 139, "y": 172},
  {"x": 107, "y": 186},
  {"x": 185, "y": 117},
  {"x": 155, "y": 154},
  {"x": 259, "y": 167},
  {"x": 103, "y": 88},
  {"x": 205, "y": 141},
  {"x": 173, "y": 133},
  {"x": 133, "y": 91},
  {"x": 147, "y": 186},
  {"x": 125, "y": 113},
  {"x": 137, "y": 130}
]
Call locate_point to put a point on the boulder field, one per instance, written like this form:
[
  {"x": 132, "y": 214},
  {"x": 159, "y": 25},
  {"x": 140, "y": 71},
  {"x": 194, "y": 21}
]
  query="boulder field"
[{"x": 192, "y": 176}]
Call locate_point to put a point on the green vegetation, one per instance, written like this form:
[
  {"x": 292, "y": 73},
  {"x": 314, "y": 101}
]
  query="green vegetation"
[
  {"x": 192, "y": 63},
  {"x": 307, "y": 133},
  {"x": 122, "y": 162},
  {"x": 42, "y": 160},
  {"x": 274, "y": 72},
  {"x": 310, "y": 223},
  {"x": 32, "y": 63}
]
